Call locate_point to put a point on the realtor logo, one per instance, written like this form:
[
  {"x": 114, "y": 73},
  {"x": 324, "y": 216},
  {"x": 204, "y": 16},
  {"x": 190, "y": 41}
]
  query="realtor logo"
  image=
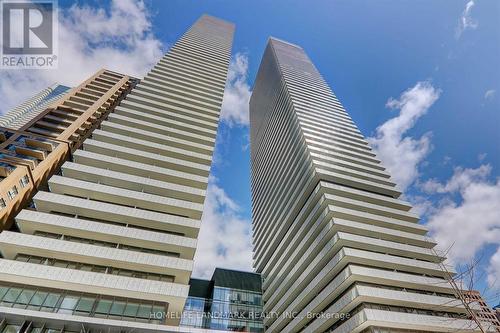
[{"x": 28, "y": 34}]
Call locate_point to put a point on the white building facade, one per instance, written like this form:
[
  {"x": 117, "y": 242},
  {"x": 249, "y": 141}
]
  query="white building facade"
[
  {"x": 109, "y": 246},
  {"x": 337, "y": 248}
]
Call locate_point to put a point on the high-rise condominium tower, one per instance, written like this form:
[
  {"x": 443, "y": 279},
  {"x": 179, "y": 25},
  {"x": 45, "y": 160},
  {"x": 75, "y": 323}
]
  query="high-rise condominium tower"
[
  {"x": 108, "y": 246},
  {"x": 28, "y": 110},
  {"x": 337, "y": 249}
]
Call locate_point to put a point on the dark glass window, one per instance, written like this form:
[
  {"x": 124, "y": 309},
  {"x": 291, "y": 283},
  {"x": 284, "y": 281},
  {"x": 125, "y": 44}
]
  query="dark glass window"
[{"x": 41, "y": 299}]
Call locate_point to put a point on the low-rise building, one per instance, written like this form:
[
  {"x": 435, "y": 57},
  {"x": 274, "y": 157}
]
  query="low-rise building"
[
  {"x": 230, "y": 301},
  {"x": 485, "y": 313}
]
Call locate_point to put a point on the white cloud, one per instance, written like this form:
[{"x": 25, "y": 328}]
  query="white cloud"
[
  {"x": 120, "y": 39},
  {"x": 460, "y": 180},
  {"x": 466, "y": 20},
  {"x": 494, "y": 270},
  {"x": 489, "y": 94},
  {"x": 421, "y": 205},
  {"x": 237, "y": 93},
  {"x": 403, "y": 154},
  {"x": 225, "y": 237},
  {"x": 446, "y": 160},
  {"x": 464, "y": 211},
  {"x": 469, "y": 223}
]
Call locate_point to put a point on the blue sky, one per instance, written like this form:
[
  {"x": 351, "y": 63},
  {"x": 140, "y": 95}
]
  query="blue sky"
[{"x": 369, "y": 52}]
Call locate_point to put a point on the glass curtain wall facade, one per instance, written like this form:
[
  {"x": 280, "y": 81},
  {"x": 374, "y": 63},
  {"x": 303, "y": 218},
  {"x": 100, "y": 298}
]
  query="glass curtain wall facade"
[
  {"x": 338, "y": 249},
  {"x": 230, "y": 301}
]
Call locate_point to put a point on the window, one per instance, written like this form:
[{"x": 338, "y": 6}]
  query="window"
[
  {"x": 68, "y": 304},
  {"x": 47, "y": 234},
  {"x": 11, "y": 328},
  {"x": 144, "y": 311},
  {"x": 22, "y": 257},
  {"x": 51, "y": 300},
  {"x": 25, "y": 296},
  {"x": 11, "y": 295},
  {"x": 217, "y": 313},
  {"x": 98, "y": 269},
  {"x": 117, "y": 308},
  {"x": 85, "y": 305},
  {"x": 131, "y": 310},
  {"x": 3, "y": 291},
  {"x": 12, "y": 192},
  {"x": 92, "y": 268},
  {"x": 35, "y": 260},
  {"x": 24, "y": 181},
  {"x": 54, "y": 330},
  {"x": 41, "y": 299},
  {"x": 38, "y": 298},
  {"x": 60, "y": 263},
  {"x": 103, "y": 307}
]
